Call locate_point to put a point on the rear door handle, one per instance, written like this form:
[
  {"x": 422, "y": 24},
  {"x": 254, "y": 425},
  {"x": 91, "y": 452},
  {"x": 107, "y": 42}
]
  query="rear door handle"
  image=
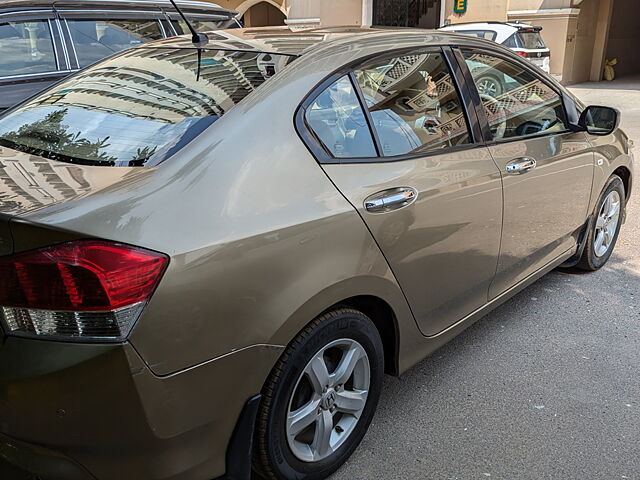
[
  {"x": 521, "y": 165},
  {"x": 391, "y": 199}
]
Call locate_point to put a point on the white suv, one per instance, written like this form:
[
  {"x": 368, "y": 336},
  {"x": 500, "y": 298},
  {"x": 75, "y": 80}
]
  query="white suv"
[{"x": 523, "y": 39}]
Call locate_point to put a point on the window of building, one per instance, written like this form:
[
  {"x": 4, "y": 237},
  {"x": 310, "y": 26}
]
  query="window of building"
[
  {"x": 414, "y": 105},
  {"x": 517, "y": 103},
  {"x": 337, "y": 119},
  {"x": 97, "y": 39},
  {"x": 26, "y": 48},
  {"x": 407, "y": 13}
]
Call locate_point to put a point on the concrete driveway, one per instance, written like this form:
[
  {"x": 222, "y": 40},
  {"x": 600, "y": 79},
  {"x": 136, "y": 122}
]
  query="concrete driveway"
[{"x": 545, "y": 387}]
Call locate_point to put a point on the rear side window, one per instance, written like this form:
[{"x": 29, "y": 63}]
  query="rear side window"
[
  {"x": 97, "y": 39},
  {"x": 26, "y": 48},
  {"x": 138, "y": 108},
  {"x": 338, "y": 120},
  {"x": 413, "y": 103}
]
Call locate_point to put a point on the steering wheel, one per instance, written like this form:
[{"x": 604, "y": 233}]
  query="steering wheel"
[
  {"x": 493, "y": 105},
  {"x": 531, "y": 127}
]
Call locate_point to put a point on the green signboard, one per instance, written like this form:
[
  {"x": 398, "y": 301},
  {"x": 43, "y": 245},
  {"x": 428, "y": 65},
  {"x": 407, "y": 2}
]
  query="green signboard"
[{"x": 460, "y": 6}]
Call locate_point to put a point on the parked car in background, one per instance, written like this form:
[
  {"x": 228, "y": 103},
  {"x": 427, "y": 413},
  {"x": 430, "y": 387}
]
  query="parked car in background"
[
  {"x": 209, "y": 257},
  {"x": 523, "y": 39},
  {"x": 42, "y": 41}
]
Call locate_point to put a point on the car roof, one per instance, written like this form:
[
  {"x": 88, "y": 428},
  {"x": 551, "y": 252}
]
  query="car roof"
[
  {"x": 283, "y": 40},
  {"x": 12, "y": 5}
]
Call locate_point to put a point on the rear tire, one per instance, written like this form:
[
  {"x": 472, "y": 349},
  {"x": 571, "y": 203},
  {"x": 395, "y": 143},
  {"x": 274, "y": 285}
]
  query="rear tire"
[
  {"x": 333, "y": 370},
  {"x": 605, "y": 227}
]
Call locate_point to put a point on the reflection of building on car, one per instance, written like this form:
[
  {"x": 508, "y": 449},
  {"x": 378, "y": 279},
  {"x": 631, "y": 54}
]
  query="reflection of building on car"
[
  {"x": 514, "y": 106},
  {"x": 41, "y": 43},
  {"x": 523, "y": 39}
]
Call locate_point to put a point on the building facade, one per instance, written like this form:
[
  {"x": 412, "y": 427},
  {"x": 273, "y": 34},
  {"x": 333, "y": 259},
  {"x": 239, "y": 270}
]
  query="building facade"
[{"x": 580, "y": 33}]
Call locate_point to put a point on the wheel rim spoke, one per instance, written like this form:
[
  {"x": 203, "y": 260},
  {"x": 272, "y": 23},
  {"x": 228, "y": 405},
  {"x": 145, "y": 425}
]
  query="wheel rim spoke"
[
  {"x": 322, "y": 438},
  {"x": 303, "y": 417},
  {"x": 351, "y": 402},
  {"x": 346, "y": 366},
  {"x": 318, "y": 373}
]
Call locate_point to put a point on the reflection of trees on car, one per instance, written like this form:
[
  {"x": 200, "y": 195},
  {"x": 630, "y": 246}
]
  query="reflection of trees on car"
[{"x": 47, "y": 136}]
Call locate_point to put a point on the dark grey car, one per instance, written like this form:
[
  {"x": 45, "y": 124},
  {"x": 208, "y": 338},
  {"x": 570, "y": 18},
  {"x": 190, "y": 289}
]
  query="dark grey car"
[{"x": 43, "y": 41}]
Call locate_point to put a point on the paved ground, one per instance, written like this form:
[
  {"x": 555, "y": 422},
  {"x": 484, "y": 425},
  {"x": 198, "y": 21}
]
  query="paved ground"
[{"x": 545, "y": 387}]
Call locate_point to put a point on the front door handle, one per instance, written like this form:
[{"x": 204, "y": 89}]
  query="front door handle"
[
  {"x": 521, "y": 165},
  {"x": 391, "y": 199}
]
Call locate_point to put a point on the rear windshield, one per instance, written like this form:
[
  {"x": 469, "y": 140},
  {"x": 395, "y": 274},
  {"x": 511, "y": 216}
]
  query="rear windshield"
[
  {"x": 138, "y": 108},
  {"x": 488, "y": 34},
  {"x": 529, "y": 39}
]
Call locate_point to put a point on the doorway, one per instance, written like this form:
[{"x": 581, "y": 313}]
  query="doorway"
[
  {"x": 263, "y": 14},
  {"x": 624, "y": 37}
]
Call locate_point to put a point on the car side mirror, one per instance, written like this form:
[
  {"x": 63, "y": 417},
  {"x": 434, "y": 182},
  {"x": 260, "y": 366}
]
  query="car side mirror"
[{"x": 597, "y": 120}]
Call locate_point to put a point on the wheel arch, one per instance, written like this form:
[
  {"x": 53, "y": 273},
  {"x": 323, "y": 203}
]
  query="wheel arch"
[
  {"x": 384, "y": 318},
  {"x": 625, "y": 174},
  {"x": 379, "y": 298}
]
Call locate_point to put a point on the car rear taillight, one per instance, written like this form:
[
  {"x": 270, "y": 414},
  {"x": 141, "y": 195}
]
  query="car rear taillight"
[
  {"x": 522, "y": 54},
  {"x": 83, "y": 290}
]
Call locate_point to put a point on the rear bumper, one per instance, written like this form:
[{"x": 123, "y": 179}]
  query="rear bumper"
[{"x": 96, "y": 412}]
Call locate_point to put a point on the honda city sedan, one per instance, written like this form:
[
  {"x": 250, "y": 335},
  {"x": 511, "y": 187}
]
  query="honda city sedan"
[{"x": 210, "y": 254}]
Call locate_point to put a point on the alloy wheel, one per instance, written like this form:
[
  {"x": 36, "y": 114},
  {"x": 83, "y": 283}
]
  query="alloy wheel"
[
  {"x": 607, "y": 224},
  {"x": 328, "y": 400}
]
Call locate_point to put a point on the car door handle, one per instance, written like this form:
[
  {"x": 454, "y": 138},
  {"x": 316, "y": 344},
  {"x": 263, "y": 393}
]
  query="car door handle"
[
  {"x": 521, "y": 165},
  {"x": 391, "y": 199}
]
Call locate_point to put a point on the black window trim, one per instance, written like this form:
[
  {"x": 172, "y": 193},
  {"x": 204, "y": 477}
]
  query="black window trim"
[
  {"x": 323, "y": 156},
  {"x": 488, "y": 137}
]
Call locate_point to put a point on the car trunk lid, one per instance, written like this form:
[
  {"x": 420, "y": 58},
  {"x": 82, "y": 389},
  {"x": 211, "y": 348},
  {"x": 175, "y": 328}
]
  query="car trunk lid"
[{"x": 29, "y": 183}]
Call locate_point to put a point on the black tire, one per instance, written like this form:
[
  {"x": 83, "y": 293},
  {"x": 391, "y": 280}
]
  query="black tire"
[
  {"x": 589, "y": 260},
  {"x": 273, "y": 457}
]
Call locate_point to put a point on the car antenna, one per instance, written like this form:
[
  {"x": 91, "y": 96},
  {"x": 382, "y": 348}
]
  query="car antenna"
[{"x": 198, "y": 39}]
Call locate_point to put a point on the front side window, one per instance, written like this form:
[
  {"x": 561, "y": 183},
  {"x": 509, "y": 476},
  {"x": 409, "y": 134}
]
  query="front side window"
[
  {"x": 96, "y": 39},
  {"x": 338, "y": 121},
  {"x": 26, "y": 48},
  {"x": 413, "y": 103},
  {"x": 138, "y": 108},
  {"x": 516, "y": 102}
]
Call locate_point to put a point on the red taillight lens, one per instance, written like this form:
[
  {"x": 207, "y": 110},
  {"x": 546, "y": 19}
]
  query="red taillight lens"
[
  {"x": 88, "y": 280},
  {"x": 522, "y": 54}
]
